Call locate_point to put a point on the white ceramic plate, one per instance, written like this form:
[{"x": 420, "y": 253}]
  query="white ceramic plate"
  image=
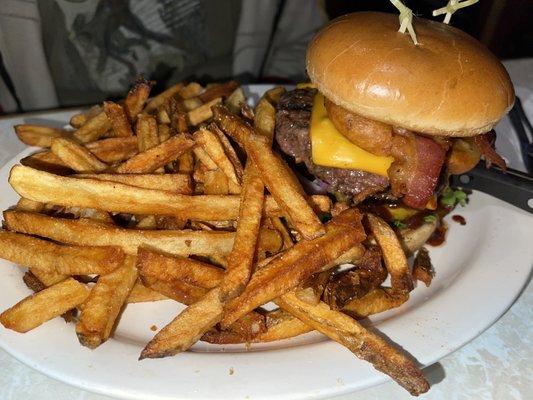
[{"x": 480, "y": 271}]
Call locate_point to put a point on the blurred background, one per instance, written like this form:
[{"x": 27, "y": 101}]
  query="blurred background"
[{"x": 64, "y": 53}]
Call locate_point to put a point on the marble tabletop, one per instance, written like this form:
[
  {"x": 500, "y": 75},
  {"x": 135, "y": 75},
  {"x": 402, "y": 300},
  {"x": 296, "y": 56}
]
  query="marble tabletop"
[{"x": 495, "y": 365}]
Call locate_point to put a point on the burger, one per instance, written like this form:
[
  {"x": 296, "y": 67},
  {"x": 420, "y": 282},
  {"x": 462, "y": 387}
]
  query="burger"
[{"x": 385, "y": 122}]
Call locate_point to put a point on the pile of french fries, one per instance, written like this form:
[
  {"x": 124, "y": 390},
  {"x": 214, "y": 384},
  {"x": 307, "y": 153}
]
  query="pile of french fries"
[{"x": 180, "y": 196}]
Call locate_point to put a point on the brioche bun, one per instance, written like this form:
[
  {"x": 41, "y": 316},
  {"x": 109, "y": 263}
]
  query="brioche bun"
[{"x": 448, "y": 85}]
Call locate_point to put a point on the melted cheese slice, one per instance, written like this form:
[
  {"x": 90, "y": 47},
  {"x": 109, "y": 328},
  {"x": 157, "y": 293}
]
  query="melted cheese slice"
[{"x": 332, "y": 149}]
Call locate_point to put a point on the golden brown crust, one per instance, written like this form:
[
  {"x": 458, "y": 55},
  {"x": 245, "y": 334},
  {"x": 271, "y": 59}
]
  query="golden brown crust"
[{"x": 449, "y": 85}]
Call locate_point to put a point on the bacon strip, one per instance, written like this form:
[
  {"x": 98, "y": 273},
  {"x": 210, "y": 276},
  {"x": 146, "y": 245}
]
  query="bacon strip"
[
  {"x": 485, "y": 144},
  {"x": 416, "y": 169}
]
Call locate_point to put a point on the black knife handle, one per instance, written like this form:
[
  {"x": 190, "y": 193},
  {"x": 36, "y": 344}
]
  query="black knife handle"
[{"x": 512, "y": 186}]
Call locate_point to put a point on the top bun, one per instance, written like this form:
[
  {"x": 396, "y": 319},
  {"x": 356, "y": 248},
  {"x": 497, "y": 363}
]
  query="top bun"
[{"x": 448, "y": 85}]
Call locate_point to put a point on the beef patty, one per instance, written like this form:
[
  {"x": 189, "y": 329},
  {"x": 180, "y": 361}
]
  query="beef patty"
[{"x": 293, "y": 117}]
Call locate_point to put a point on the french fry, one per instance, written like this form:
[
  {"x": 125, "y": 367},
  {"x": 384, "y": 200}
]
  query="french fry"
[
  {"x": 240, "y": 260},
  {"x": 187, "y": 328},
  {"x": 137, "y": 96},
  {"x": 393, "y": 254},
  {"x": 235, "y": 100},
  {"x": 104, "y": 303},
  {"x": 273, "y": 95},
  {"x": 146, "y": 131},
  {"x": 169, "y": 223},
  {"x": 375, "y": 301},
  {"x": 186, "y": 162},
  {"x": 92, "y": 233},
  {"x": 162, "y": 115},
  {"x": 163, "y": 131},
  {"x": 29, "y": 205},
  {"x": 269, "y": 242},
  {"x": 76, "y": 156},
  {"x": 116, "y": 197},
  {"x": 202, "y": 113},
  {"x": 48, "y": 278},
  {"x": 284, "y": 186},
  {"x": 191, "y": 104},
  {"x": 49, "y": 257},
  {"x": 142, "y": 294},
  {"x": 182, "y": 292},
  {"x": 218, "y": 91},
  {"x": 162, "y": 98},
  {"x": 146, "y": 222},
  {"x": 176, "y": 183},
  {"x": 93, "y": 129},
  {"x": 43, "y": 306},
  {"x": 282, "y": 229},
  {"x": 297, "y": 265},
  {"x": 232, "y": 125},
  {"x": 118, "y": 119},
  {"x": 111, "y": 150},
  {"x": 362, "y": 342},
  {"x": 174, "y": 268},
  {"x": 78, "y": 120},
  {"x": 214, "y": 148},
  {"x": 156, "y": 157},
  {"x": 265, "y": 118},
  {"x": 229, "y": 150},
  {"x": 204, "y": 158},
  {"x": 215, "y": 182},
  {"x": 46, "y": 161},
  {"x": 38, "y": 135},
  {"x": 190, "y": 90}
]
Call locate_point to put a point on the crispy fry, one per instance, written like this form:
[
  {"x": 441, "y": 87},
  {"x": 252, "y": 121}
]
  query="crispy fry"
[
  {"x": 41, "y": 307},
  {"x": 93, "y": 129},
  {"x": 191, "y": 104},
  {"x": 232, "y": 125},
  {"x": 192, "y": 89},
  {"x": 163, "y": 131},
  {"x": 179, "y": 291},
  {"x": 170, "y": 223},
  {"x": 104, "y": 303},
  {"x": 235, "y": 100},
  {"x": 50, "y": 257},
  {"x": 269, "y": 242},
  {"x": 29, "y": 205},
  {"x": 86, "y": 233},
  {"x": 202, "y": 113},
  {"x": 240, "y": 260},
  {"x": 422, "y": 268},
  {"x": 156, "y": 157},
  {"x": 215, "y": 183},
  {"x": 113, "y": 149},
  {"x": 375, "y": 301},
  {"x": 362, "y": 342},
  {"x": 265, "y": 118},
  {"x": 146, "y": 131},
  {"x": 37, "y": 135},
  {"x": 76, "y": 156},
  {"x": 118, "y": 119},
  {"x": 46, "y": 161},
  {"x": 137, "y": 96},
  {"x": 273, "y": 95},
  {"x": 77, "y": 120},
  {"x": 146, "y": 222},
  {"x": 187, "y": 328},
  {"x": 204, "y": 158},
  {"x": 228, "y": 149},
  {"x": 162, "y": 115},
  {"x": 142, "y": 294},
  {"x": 220, "y": 90},
  {"x": 48, "y": 278},
  {"x": 284, "y": 186},
  {"x": 297, "y": 265},
  {"x": 214, "y": 148},
  {"x": 393, "y": 254},
  {"x": 162, "y": 98},
  {"x": 186, "y": 162},
  {"x": 174, "y": 268},
  {"x": 177, "y": 183},
  {"x": 282, "y": 229}
]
